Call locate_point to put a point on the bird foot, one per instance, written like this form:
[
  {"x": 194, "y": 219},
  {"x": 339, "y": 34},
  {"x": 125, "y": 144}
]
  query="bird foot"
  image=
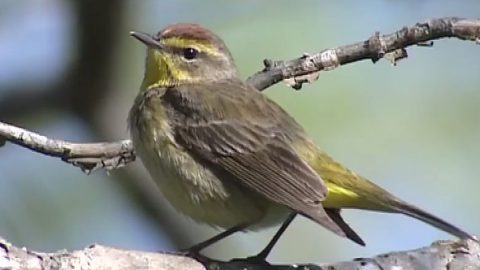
[
  {"x": 194, "y": 254},
  {"x": 256, "y": 260}
]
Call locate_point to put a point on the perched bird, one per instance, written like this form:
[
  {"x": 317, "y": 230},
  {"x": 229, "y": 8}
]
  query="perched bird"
[{"x": 226, "y": 155}]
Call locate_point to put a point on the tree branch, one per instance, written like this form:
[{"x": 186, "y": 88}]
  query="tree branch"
[
  {"x": 87, "y": 156},
  {"x": 391, "y": 46},
  {"x": 295, "y": 72},
  {"x": 440, "y": 255},
  {"x": 92, "y": 156}
]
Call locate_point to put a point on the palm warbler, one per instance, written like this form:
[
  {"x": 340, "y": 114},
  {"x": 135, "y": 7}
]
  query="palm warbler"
[{"x": 224, "y": 154}]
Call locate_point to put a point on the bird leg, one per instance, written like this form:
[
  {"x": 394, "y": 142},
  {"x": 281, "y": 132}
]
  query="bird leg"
[
  {"x": 195, "y": 250},
  {"x": 262, "y": 256}
]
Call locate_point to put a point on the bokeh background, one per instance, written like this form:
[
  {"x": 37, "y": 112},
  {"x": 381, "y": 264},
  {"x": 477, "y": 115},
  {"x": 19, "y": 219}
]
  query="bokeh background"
[{"x": 69, "y": 70}]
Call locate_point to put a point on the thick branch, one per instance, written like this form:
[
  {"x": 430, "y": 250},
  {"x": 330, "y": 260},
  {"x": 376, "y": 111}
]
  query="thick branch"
[
  {"x": 440, "y": 255},
  {"x": 295, "y": 72}
]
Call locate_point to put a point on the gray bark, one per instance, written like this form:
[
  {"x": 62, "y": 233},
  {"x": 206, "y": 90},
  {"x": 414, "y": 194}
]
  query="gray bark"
[{"x": 463, "y": 254}]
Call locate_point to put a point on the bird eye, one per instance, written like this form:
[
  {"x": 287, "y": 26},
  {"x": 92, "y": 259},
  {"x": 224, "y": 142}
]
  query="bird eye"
[{"x": 190, "y": 53}]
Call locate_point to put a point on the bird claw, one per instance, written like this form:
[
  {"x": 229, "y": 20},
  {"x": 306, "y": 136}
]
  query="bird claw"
[
  {"x": 194, "y": 254},
  {"x": 255, "y": 260}
]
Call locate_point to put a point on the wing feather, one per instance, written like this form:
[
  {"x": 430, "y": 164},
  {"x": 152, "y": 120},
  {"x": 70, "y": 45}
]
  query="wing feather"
[{"x": 256, "y": 149}]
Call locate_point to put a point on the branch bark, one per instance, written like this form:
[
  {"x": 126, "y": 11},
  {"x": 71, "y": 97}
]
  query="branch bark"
[
  {"x": 391, "y": 47},
  {"x": 440, "y": 255},
  {"x": 295, "y": 72},
  {"x": 87, "y": 156}
]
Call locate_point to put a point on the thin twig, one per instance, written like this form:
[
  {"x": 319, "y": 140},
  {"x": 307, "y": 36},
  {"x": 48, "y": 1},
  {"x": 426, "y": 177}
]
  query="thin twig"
[
  {"x": 391, "y": 46},
  {"x": 87, "y": 156}
]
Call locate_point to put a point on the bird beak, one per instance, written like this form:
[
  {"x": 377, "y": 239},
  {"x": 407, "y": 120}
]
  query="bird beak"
[{"x": 146, "y": 39}]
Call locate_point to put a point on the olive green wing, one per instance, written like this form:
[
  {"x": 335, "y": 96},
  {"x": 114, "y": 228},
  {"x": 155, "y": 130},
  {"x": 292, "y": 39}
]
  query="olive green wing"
[{"x": 253, "y": 149}]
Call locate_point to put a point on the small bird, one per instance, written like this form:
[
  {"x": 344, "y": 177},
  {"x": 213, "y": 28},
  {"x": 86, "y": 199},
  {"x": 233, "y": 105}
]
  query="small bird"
[{"x": 226, "y": 155}]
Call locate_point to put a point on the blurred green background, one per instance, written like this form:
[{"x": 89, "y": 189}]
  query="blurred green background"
[{"x": 69, "y": 70}]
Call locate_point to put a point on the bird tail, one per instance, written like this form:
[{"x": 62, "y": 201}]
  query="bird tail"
[
  {"x": 386, "y": 202},
  {"x": 334, "y": 214},
  {"x": 415, "y": 212}
]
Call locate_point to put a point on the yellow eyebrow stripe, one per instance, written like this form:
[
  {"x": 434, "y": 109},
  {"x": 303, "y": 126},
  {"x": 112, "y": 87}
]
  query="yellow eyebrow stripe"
[{"x": 199, "y": 45}]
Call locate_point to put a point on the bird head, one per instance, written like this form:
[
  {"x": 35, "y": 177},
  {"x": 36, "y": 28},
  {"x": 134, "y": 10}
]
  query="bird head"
[{"x": 183, "y": 54}]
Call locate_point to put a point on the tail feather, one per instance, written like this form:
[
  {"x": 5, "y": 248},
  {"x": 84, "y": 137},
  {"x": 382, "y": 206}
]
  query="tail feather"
[
  {"x": 322, "y": 217},
  {"x": 334, "y": 214},
  {"x": 415, "y": 212},
  {"x": 382, "y": 200}
]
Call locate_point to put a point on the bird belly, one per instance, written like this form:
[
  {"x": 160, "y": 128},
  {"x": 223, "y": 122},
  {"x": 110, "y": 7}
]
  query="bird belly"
[{"x": 194, "y": 190}]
